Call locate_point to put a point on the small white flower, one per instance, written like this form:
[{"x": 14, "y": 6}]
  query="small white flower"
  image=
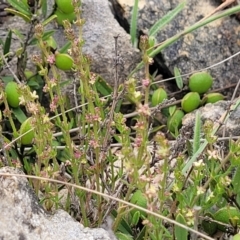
[
  {"x": 210, "y": 196},
  {"x": 200, "y": 190},
  {"x": 22, "y": 100},
  {"x": 199, "y": 163},
  {"x": 137, "y": 94},
  {"x": 213, "y": 155},
  {"x": 226, "y": 181},
  {"x": 46, "y": 119},
  {"x": 34, "y": 95}
]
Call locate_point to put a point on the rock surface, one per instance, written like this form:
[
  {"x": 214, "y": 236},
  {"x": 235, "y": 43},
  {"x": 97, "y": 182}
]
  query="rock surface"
[
  {"x": 200, "y": 49},
  {"x": 21, "y": 216},
  {"x": 214, "y": 112},
  {"x": 99, "y": 31}
]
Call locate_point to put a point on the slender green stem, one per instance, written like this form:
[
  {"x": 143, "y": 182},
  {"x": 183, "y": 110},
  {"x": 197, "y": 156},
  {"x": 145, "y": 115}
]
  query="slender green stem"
[{"x": 121, "y": 211}]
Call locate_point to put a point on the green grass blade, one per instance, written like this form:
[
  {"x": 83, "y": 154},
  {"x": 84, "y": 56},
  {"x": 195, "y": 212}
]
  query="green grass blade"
[
  {"x": 25, "y": 17},
  {"x": 133, "y": 25},
  {"x": 166, "y": 19},
  {"x": 20, "y": 6},
  {"x": 19, "y": 114},
  {"x": 180, "y": 233},
  {"x": 44, "y": 8},
  {"x": 197, "y": 131},
  {"x": 7, "y": 43},
  {"x": 236, "y": 181},
  {"x": 193, "y": 28},
  {"x": 48, "y": 20},
  {"x": 65, "y": 47},
  {"x": 176, "y": 37}
]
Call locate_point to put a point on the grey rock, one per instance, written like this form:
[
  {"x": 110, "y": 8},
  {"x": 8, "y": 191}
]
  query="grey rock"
[
  {"x": 21, "y": 216},
  {"x": 99, "y": 31},
  {"x": 200, "y": 49},
  {"x": 214, "y": 112}
]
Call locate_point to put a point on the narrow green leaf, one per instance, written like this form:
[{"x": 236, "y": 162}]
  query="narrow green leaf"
[
  {"x": 46, "y": 35},
  {"x": 152, "y": 41},
  {"x": 118, "y": 105},
  {"x": 236, "y": 181},
  {"x": 178, "y": 78},
  {"x": 20, "y": 6},
  {"x": 64, "y": 83},
  {"x": 189, "y": 147},
  {"x": 19, "y": 114},
  {"x": 123, "y": 225},
  {"x": 18, "y": 34},
  {"x": 44, "y": 8},
  {"x": 48, "y": 20},
  {"x": 27, "y": 165},
  {"x": 7, "y": 79},
  {"x": 166, "y": 19},
  {"x": 19, "y": 14},
  {"x": 65, "y": 47},
  {"x": 7, "y": 43},
  {"x": 103, "y": 87},
  {"x": 157, "y": 128},
  {"x": 122, "y": 236},
  {"x": 118, "y": 138},
  {"x": 180, "y": 233},
  {"x": 133, "y": 25},
  {"x": 172, "y": 109},
  {"x": 197, "y": 131},
  {"x": 135, "y": 218},
  {"x": 32, "y": 83},
  {"x": 141, "y": 235}
]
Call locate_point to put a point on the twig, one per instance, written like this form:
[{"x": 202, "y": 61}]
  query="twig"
[
  {"x": 21, "y": 60},
  {"x": 219, "y": 8},
  {"x": 9, "y": 68},
  {"x": 116, "y": 97},
  {"x": 233, "y": 97}
]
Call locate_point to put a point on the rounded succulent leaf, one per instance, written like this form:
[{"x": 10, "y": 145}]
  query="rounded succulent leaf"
[
  {"x": 190, "y": 102},
  {"x": 200, "y": 82},
  {"x": 11, "y": 90}
]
